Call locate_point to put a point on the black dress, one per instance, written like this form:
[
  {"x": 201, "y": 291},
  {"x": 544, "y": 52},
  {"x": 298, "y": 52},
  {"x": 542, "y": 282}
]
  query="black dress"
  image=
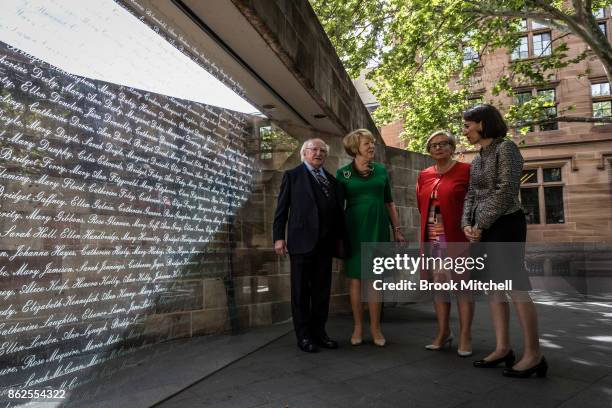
[
  {"x": 492, "y": 205},
  {"x": 504, "y": 244}
]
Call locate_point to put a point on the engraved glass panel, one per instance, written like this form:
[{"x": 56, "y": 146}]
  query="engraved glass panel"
[{"x": 134, "y": 177}]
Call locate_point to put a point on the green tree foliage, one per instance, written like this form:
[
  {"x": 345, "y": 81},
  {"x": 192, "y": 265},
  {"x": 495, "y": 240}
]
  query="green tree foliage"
[{"x": 415, "y": 51}]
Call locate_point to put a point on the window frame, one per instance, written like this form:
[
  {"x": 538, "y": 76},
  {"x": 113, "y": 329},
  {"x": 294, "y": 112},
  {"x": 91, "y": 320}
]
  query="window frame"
[
  {"x": 474, "y": 54},
  {"x": 555, "y": 124},
  {"x": 603, "y": 19},
  {"x": 533, "y": 92},
  {"x": 597, "y": 99},
  {"x": 530, "y": 32},
  {"x": 519, "y": 100},
  {"x": 514, "y": 56},
  {"x": 540, "y": 184},
  {"x": 600, "y": 95},
  {"x": 546, "y": 51},
  {"x": 608, "y": 101},
  {"x": 541, "y": 26},
  {"x": 605, "y": 28}
]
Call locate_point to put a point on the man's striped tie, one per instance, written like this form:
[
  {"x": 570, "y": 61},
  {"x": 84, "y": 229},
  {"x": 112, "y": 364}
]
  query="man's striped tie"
[{"x": 323, "y": 182}]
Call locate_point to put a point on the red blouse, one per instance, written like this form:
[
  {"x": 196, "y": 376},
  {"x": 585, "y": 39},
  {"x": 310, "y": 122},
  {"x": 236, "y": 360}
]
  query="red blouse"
[{"x": 451, "y": 194}]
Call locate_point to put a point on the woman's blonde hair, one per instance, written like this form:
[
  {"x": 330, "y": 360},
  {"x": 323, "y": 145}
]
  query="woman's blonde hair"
[
  {"x": 449, "y": 135},
  {"x": 352, "y": 140}
]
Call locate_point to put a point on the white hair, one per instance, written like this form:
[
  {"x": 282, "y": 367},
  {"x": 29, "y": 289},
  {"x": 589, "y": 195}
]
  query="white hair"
[{"x": 309, "y": 142}]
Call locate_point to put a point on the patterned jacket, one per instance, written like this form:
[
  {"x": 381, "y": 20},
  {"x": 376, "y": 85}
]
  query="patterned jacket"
[{"x": 495, "y": 181}]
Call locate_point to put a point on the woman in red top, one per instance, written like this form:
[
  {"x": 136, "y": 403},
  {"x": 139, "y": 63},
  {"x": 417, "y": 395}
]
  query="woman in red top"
[{"x": 441, "y": 190}]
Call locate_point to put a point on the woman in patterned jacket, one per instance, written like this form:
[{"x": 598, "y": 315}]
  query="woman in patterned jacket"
[{"x": 492, "y": 214}]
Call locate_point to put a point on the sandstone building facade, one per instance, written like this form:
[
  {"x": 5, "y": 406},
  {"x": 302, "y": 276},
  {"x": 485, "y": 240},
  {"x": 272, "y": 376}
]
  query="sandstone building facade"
[{"x": 567, "y": 180}]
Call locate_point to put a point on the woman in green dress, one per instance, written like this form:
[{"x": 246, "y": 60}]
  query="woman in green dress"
[{"x": 369, "y": 213}]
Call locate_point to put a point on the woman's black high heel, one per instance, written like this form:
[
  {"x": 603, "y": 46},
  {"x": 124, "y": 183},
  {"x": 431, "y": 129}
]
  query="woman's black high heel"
[
  {"x": 539, "y": 369},
  {"x": 508, "y": 359}
]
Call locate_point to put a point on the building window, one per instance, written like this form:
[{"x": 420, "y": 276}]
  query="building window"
[
  {"x": 470, "y": 55},
  {"x": 542, "y": 195},
  {"x": 601, "y": 89},
  {"x": 530, "y": 176},
  {"x": 521, "y": 98},
  {"x": 538, "y": 26},
  {"x": 522, "y": 51},
  {"x": 550, "y": 106},
  {"x": 602, "y": 109},
  {"x": 551, "y": 174},
  {"x": 541, "y": 44},
  {"x": 529, "y": 196},
  {"x": 529, "y": 200},
  {"x": 553, "y": 199},
  {"x": 550, "y": 109},
  {"x": 536, "y": 43},
  {"x": 600, "y": 15},
  {"x": 602, "y": 101}
]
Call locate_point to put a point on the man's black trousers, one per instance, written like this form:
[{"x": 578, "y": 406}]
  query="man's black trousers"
[{"x": 310, "y": 289}]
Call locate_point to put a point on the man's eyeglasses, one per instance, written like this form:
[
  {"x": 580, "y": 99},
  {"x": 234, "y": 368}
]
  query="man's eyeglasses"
[
  {"x": 440, "y": 145},
  {"x": 317, "y": 150}
]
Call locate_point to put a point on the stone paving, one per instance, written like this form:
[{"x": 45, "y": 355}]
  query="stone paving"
[{"x": 576, "y": 340}]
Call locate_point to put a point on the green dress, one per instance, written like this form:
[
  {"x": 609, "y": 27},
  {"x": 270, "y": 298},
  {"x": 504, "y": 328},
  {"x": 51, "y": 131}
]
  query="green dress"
[{"x": 367, "y": 218}]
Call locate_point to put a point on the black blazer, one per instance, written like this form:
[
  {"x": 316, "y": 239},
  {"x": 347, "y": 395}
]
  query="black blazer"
[{"x": 296, "y": 203}]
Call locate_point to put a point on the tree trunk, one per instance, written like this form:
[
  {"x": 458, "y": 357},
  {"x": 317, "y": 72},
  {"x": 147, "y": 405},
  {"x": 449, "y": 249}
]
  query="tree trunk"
[
  {"x": 601, "y": 48},
  {"x": 587, "y": 29}
]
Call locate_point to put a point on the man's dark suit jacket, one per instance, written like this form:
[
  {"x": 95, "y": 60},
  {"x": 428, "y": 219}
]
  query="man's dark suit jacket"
[{"x": 296, "y": 202}]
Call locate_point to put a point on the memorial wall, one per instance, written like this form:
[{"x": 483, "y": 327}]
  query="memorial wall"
[{"x": 119, "y": 205}]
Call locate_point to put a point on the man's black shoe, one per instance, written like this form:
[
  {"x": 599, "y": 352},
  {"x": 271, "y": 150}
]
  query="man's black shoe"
[
  {"x": 307, "y": 345},
  {"x": 325, "y": 342}
]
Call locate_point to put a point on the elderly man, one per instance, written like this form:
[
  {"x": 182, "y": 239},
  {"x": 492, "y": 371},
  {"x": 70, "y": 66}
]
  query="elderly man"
[{"x": 309, "y": 200}]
